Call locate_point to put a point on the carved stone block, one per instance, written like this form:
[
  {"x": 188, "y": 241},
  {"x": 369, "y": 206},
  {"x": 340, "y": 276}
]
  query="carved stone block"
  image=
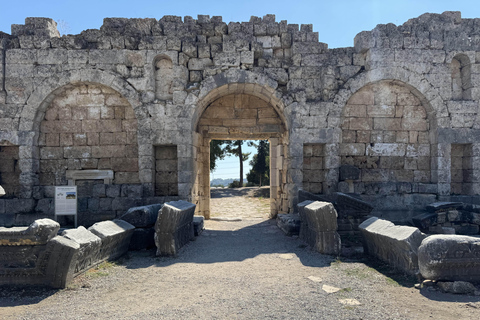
[
  {"x": 174, "y": 227},
  {"x": 115, "y": 236},
  {"x": 319, "y": 226},
  {"x": 90, "y": 246},
  {"x": 450, "y": 258},
  {"x": 395, "y": 245}
]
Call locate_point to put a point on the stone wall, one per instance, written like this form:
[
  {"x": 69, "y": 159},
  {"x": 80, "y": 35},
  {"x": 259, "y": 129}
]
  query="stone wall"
[{"x": 396, "y": 106}]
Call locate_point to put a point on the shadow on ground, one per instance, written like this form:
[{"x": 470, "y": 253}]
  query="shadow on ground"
[{"x": 217, "y": 246}]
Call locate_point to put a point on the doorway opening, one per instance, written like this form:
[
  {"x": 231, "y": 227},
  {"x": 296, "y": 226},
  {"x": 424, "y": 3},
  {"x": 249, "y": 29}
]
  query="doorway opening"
[
  {"x": 230, "y": 160},
  {"x": 240, "y": 116}
]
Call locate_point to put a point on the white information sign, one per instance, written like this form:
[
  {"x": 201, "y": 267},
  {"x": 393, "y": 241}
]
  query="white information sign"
[{"x": 66, "y": 201}]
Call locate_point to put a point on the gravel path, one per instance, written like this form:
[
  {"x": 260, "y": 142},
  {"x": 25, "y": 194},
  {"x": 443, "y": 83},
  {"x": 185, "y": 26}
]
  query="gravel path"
[{"x": 237, "y": 270}]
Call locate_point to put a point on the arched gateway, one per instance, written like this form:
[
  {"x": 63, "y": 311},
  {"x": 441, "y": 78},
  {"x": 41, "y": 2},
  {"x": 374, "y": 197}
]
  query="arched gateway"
[{"x": 240, "y": 111}]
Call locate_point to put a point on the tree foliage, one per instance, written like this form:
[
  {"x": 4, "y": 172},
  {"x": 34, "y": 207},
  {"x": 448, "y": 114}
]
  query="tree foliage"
[
  {"x": 260, "y": 172},
  {"x": 217, "y": 152},
  {"x": 234, "y": 148}
]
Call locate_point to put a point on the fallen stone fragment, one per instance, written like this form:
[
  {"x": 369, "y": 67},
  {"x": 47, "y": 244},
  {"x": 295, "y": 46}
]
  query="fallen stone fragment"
[
  {"x": 143, "y": 216},
  {"x": 395, "y": 245},
  {"x": 38, "y": 233},
  {"x": 330, "y": 289},
  {"x": 90, "y": 246},
  {"x": 289, "y": 223},
  {"x": 319, "y": 226},
  {"x": 350, "y": 302},
  {"x": 450, "y": 258},
  {"x": 444, "y": 206},
  {"x": 457, "y": 287},
  {"x": 228, "y": 219},
  {"x": 115, "y": 236},
  {"x": 174, "y": 227},
  {"x": 315, "y": 279}
]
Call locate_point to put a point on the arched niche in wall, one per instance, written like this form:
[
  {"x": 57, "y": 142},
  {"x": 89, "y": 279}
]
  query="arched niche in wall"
[
  {"x": 163, "y": 78},
  {"x": 386, "y": 135},
  {"x": 460, "y": 68},
  {"x": 88, "y": 126}
]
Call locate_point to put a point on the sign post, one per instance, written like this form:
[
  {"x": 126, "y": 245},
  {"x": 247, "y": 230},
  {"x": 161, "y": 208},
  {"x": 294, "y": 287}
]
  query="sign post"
[{"x": 66, "y": 202}]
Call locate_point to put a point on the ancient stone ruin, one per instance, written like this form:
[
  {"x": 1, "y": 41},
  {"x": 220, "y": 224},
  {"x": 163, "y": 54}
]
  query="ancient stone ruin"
[{"x": 126, "y": 112}]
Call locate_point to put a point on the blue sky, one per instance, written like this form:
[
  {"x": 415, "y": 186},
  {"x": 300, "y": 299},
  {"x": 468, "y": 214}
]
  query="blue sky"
[{"x": 336, "y": 21}]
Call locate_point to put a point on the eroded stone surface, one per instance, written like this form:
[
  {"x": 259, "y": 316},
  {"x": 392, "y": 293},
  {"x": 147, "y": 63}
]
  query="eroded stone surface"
[
  {"x": 174, "y": 227},
  {"x": 450, "y": 258},
  {"x": 142, "y": 217},
  {"x": 319, "y": 226},
  {"x": 115, "y": 236},
  {"x": 396, "y": 245},
  {"x": 38, "y": 233}
]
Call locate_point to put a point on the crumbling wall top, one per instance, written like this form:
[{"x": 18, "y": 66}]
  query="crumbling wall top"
[{"x": 446, "y": 31}]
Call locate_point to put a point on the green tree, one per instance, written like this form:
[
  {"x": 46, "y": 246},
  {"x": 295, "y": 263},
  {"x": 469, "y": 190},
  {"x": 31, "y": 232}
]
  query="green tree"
[
  {"x": 260, "y": 164},
  {"x": 234, "y": 147},
  {"x": 217, "y": 152}
]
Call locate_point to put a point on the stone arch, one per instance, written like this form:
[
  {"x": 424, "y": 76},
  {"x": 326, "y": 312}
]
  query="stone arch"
[
  {"x": 42, "y": 96},
  {"x": 436, "y": 114},
  {"x": 460, "y": 68},
  {"x": 385, "y": 135},
  {"x": 234, "y": 90},
  {"x": 424, "y": 90},
  {"x": 88, "y": 126},
  {"x": 239, "y": 81}
]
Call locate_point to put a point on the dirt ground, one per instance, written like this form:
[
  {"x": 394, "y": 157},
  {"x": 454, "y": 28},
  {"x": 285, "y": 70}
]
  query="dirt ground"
[{"x": 241, "y": 267}]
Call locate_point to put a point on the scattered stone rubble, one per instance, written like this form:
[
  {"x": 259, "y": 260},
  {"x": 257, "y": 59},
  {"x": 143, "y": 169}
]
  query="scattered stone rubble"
[{"x": 449, "y": 218}]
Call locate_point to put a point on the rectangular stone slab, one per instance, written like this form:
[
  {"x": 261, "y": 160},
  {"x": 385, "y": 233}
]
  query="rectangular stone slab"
[
  {"x": 395, "y": 245},
  {"x": 174, "y": 227},
  {"x": 450, "y": 258},
  {"x": 115, "y": 236}
]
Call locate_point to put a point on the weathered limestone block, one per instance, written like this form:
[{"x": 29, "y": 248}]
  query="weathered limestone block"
[
  {"x": 90, "y": 246},
  {"x": 289, "y": 223},
  {"x": 450, "y": 258},
  {"x": 143, "y": 216},
  {"x": 174, "y": 227},
  {"x": 115, "y": 236},
  {"x": 395, "y": 245},
  {"x": 38, "y": 233},
  {"x": 319, "y": 226}
]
